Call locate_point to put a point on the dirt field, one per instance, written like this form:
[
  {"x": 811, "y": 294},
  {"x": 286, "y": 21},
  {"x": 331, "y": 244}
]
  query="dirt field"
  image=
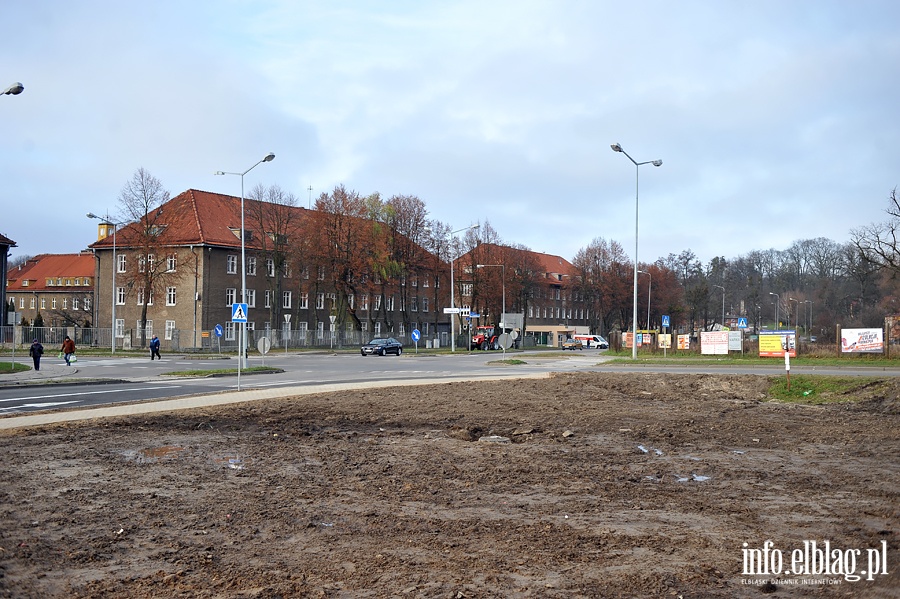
[{"x": 608, "y": 486}]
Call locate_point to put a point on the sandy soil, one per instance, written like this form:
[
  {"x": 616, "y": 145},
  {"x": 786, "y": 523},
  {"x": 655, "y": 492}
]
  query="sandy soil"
[{"x": 609, "y": 486}]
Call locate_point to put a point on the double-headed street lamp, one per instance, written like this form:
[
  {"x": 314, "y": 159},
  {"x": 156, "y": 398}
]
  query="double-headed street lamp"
[
  {"x": 106, "y": 221},
  {"x": 649, "y": 289},
  {"x": 452, "y": 303},
  {"x": 242, "y": 352},
  {"x": 617, "y": 148},
  {"x": 503, "y": 313},
  {"x": 723, "y": 303},
  {"x": 14, "y": 90}
]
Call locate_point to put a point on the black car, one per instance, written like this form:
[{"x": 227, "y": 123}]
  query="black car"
[{"x": 381, "y": 347}]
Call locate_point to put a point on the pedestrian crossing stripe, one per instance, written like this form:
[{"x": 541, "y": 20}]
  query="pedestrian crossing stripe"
[{"x": 238, "y": 312}]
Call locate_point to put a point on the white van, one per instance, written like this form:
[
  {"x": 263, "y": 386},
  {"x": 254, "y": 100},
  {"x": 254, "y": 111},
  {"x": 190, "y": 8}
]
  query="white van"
[{"x": 595, "y": 341}]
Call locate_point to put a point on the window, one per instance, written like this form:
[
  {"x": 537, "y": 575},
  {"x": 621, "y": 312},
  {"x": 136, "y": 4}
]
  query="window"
[
  {"x": 286, "y": 299},
  {"x": 65, "y": 303},
  {"x": 302, "y": 331},
  {"x": 425, "y": 304},
  {"x": 415, "y": 280},
  {"x": 365, "y": 327},
  {"x": 377, "y": 303},
  {"x": 251, "y": 265},
  {"x": 170, "y": 298},
  {"x": 120, "y": 265},
  {"x": 425, "y": 282},
  {"x": 321, "y": 273},
  {"x": 120, "y": 327},
  {"x": 170, "y": 329},
  {"x": 414, "y": 304},
  {"x": 87, "y": 304},
  {"x": 320, "y": 330},
  {"x": 268, "y": 300},
  {"x": 147, "y": 333},
  {"x": 44, "y": 303},
  {"x": 120, "y": 296},
  {"x": 270, "y": 267},
  {"x": 230, "y": 296},
  {"x": 286, "y": 270},
  {"x": 74, "y": 303},
  {"x": 389, "y": 303},
  {"x": 304, "y": 300},
  {"x": 320, "y": 301},
  {"x": 151, "y": 262},
  {"x": 231, "y": 264},
  {"x": 305, "y": 272},
  {"x": 364, "y": 302},
  {"x": 141, "y": 297},
  {"x": 251, "y": 298},
  {"x": 142, "y": 264},
  {"x": 378, "y": 329},
  {"x": 351, "y": 301},
  {"x": 466, "y": 289},
  {"x": 22, "y": 303},
  {"x": 229, "y": 331},
  {"x": 171, "y": 262}
]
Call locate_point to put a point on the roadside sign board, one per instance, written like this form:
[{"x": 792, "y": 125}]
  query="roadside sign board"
[
  {"x": 742, "y": 323},
  {"x": 416, "y": 335},
  {"x": 665, "y": 320},
  {"x": 219, "y": 330},
  {"x": 238, "y": 312},
  {"x": 452, "y": 310}
]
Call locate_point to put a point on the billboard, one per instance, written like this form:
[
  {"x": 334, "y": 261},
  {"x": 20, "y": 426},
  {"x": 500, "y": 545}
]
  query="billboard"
[
  {"x": 684, "y": 342},
  {"x": 862, "y": 341},
  {"x": 714, "y": 342},
  {"x": 773, "y": 344}
]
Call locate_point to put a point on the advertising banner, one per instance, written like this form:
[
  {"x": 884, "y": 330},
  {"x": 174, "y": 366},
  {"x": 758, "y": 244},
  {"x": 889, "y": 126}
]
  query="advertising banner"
[
  {"x": 665, "y": 341},
  {"x": 862, "y": 341},
  {"x": 773, "y": 344},
  {"x": 626, "y": 339},
  {"x": 735, "y": 339},
  {"x": 684, "y": 342},
  {"x": 714, "y": 343}
]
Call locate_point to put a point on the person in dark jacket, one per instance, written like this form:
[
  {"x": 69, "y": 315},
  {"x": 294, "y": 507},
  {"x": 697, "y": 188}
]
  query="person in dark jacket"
[
  {"x": 36, "y": 351},
  {"x": 68, "y": 348},
  {"x": 154, "y": 348}
]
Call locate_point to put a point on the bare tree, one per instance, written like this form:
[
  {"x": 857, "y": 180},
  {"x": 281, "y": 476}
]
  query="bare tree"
[
  {"x": 140, "y": 203},
  {"x": 878, "y": 241}
]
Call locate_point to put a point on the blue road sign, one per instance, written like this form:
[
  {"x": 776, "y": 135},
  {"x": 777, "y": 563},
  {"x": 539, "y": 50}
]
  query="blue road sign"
[
  {"x": 665, "y": 320},
  {"x": 416, "y": 335},
  {"x": 219, "y": 330},
  {"x": 742, "y": 323},
  {"x": 238, "y": 312}
]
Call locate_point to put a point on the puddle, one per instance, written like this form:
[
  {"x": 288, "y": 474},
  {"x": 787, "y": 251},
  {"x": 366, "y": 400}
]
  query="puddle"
[
  {"x": 645, "y": 450},
  {"x": 150, "y": 455},
  {"x": 693, "y": 477}
]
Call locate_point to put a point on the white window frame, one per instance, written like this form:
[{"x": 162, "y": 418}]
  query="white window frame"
[
  {"x": 286, "y": 297},
  {"x": 121, "y": 262},
  {"x": 120, "y": 296},
  {"x": 231, "y": 264},
  {"x": 170, "y": 329},
  {"x": 320, "y": 301},
  {"x": 251, "y": 266},
  {"x": 304, "y": 300},
  {"x": 171, "y": 263},
  {"x": 230, "y": 331},
  {"x": 171, "y": 296},
  {"x": 120, "y": 328}
]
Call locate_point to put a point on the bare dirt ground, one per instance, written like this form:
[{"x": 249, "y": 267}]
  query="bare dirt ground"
[{"x": 610, "y": 486}]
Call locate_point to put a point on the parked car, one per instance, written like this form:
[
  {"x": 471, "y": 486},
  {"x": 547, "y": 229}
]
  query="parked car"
[
  {"x": 572, "y": 344},
  {"x": 382, "y": 346}
]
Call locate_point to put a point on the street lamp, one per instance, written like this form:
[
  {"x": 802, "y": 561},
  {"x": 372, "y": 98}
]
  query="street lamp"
[
  {"x": 796, "y": 322},
  {"x": 452, "y": 304},
  {"x": 108, "y": 222},
  {"x": 649, "y": 289},
  {"x": 503, "y": 313},
  {"x": 15, "y": 89},
  {"x": 723, "y": 303},
  {"x": 777, "y": 299},
  {"x": 242, "y": 352},
  {"x": 617, "y": 148},
  {"x": 808, "y": 320}
]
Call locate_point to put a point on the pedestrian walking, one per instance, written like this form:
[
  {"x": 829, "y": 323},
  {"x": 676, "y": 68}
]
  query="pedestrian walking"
[
  {"x": 68, "y": 350},
  {"x": 36, "y": 351},
  {"x": 154, "y": 348}
]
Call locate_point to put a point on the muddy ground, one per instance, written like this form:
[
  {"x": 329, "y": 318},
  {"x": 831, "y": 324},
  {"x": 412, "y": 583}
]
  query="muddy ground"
[{"x": 610, "y": 486}]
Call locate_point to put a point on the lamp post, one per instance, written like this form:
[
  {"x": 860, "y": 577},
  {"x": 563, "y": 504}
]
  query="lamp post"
[
  {"x": 649, "y": 289},
  {"x": 808, "y": 320},
  {"x": 797, "y": 321},
  {"x": 108, "y": 222},
  {"x": 14, "y": 90},
  {"x": 777, "y": 299},
  {"x": 618, "y": 148},
  {"x": 503, "y": 313},
  {"x": 723, "y": 303},
  {"x": 452, "y": 304},
  {"x": 242, "y": 352}
]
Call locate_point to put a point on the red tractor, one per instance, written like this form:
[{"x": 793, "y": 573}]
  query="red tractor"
[{"x": 483, "y": 337}]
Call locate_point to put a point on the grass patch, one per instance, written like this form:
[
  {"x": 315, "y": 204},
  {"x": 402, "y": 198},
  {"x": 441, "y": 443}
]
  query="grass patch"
[
  {"x": 12, "y": 368},
  {"x": 222, "y": 371},
  {"x": 511, "y": 362},
  {"x": 817, "y": 390}
]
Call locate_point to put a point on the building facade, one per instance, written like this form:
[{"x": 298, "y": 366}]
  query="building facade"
[{"x": 57, "y": 289}]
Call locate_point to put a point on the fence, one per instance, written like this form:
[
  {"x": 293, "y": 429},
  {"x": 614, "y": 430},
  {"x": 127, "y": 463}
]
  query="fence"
[{"x": 181, "y": 340}]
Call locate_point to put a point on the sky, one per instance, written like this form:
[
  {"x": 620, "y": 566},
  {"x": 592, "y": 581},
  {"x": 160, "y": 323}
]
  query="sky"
[{"x": 776, "y": 121}]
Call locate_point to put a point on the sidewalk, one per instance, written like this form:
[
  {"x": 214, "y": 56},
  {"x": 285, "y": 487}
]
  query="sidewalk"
[{"x": 50, "y": 371}]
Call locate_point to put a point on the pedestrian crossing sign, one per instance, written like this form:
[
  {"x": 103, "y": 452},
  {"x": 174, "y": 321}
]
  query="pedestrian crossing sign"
[
  {"x": 742, "y": 323},
  {"x": 238, "y": 312}
]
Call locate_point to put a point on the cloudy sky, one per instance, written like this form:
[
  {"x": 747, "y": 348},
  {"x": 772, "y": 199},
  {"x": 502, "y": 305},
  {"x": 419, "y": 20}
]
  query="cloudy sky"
[{"x": 775, "y": 120}]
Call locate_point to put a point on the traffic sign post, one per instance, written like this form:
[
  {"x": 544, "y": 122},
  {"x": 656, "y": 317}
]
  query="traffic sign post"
[
  {"x": 416, "y": 335},
  {"x": 239, "y": 314},
  {"x": 219, "y": 331}
]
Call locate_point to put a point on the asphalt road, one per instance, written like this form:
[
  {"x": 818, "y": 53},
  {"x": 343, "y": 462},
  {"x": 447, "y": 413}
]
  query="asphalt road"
[{"x": 109, "y": 380}]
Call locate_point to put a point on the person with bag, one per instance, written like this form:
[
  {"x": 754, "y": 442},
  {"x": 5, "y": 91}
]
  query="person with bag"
[
  {"x": 154, "y": 348},
  {"x": 68, "y": 350},
  {"x": 36, "y": 351}
]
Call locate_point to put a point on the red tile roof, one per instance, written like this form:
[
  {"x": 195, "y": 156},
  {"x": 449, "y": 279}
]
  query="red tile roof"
[
  {"x": 33, "y": 275},
  {"x": 4, "y": 240},
  {"x": 197, "y": 217}
]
